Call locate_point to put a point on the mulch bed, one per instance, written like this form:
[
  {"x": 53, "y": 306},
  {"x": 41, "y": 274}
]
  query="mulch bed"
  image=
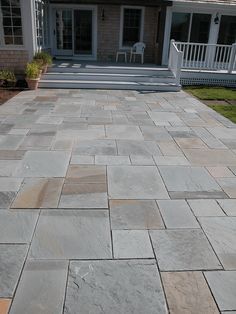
[{"x": 6, "y": 94}]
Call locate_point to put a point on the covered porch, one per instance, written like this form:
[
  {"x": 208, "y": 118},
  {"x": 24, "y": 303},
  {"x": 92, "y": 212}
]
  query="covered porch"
[{"x": 96, "y": 30}]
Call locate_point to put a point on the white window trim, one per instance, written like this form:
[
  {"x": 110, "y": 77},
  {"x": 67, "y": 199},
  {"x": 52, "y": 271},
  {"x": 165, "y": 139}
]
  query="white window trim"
[
  {"x": 3, "y": 46},
  {"x": 122, "y": 23}
]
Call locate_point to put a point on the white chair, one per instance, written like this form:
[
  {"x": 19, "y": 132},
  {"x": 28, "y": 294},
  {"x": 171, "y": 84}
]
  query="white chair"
[
  {"x": 137, "y": 49},
  {"x": 121, "y": 53}
]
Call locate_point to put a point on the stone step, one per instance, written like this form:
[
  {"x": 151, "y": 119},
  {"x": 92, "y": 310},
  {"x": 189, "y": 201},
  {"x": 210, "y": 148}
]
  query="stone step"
[
  {"x": 90, "y": 68},
  {"x": 109, "y": 77},
  {"x": 119, "y": 85}
]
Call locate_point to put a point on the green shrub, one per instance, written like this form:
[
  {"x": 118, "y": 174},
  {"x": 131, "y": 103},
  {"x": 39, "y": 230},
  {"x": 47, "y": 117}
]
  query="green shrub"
[
  {"x": 7, "y": 75},
  {"x": 44, "y": 56},
  {"x": 39, "y": 62},
  {"x": 32, "y": 70}
]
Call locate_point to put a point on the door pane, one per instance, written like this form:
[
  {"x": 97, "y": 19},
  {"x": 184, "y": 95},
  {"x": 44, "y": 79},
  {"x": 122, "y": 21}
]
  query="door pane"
[
  {"x": 180, "y": 26},
  {"x": 64, "y": 29},
  {"x": 200, "y": 28},
  {"x": 227, "y": 32},
  {"x": 83, "y": 26}
]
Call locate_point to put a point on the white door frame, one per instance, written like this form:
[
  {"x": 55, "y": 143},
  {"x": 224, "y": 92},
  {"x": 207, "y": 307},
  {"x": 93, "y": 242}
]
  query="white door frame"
[{"x": 93, "y": 8}]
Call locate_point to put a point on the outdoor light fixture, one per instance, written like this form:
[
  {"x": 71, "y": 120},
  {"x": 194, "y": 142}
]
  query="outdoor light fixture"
[
  {"x": 216, "y": 19},
  {"x": 103, "y": 15}
]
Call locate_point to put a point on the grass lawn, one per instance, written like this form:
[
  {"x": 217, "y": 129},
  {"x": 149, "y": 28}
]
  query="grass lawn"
[
  {"x": 226, "y": 111},
  {"x": 217, "y": 94},
  {"x": 212, "y": 93}
]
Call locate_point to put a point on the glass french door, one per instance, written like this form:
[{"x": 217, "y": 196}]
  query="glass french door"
[{"x": 74, "y": 32}]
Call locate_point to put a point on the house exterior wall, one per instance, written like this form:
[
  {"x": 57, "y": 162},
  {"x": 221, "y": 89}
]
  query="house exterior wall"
[
  {"x": 108, "y": 32},
  {"x": 14, "y": 60},
  {"x": 15, "y": 57}
]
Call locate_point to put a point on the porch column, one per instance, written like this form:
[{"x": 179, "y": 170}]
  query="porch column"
[
  {"x": 161, "y": 33},
  {"x": 29, "y": 28}
]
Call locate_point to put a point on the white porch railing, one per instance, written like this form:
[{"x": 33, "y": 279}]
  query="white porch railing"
[
  {"x": 207, "y": 56},
  {"x": 175, "y": 61}
]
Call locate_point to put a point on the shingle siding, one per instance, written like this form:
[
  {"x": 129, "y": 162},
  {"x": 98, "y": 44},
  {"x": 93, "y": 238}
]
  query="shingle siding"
[{"x": 13, "y": 59}]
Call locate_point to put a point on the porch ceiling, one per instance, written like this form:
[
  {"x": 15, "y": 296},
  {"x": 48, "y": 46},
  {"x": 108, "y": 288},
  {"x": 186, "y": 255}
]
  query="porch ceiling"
[
  {"x": 117, "y": 2},
  {"x": 227, "y": 2}
]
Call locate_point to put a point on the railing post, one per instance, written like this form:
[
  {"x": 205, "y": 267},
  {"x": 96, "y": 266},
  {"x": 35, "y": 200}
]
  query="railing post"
[
  {"x": 170, "y": 53},
  {"x": 232, "y": 58},
  {"x": 179, "y": 66}
]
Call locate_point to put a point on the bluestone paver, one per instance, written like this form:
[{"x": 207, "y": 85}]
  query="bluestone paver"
[{"x": 114, "y": 286}]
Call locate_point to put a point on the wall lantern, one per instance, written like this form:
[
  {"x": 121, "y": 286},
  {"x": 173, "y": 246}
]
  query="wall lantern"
[
  {"x": 216, "y": 19},
  {"x": 103, "y": 15}
]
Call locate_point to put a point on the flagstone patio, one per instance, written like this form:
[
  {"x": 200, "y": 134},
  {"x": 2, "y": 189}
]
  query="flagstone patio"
[{"x": 116, "y": 202}]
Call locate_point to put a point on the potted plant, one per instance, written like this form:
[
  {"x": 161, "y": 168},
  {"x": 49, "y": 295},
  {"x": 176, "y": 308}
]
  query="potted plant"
[
  {"x": 32, "y": 72},
  {"x": 44, "y": 58},
  {"x": 7, "y": 78}
]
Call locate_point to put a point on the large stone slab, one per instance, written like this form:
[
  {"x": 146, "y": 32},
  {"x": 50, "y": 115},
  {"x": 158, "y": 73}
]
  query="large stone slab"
[
  {"x": 10, "y": 184},
  {"x": 135, "y": 214},
  {"x": 112, "y": 160},
  {"x": 131, "y": 244},
  {"x": 210, "y": 157},
  {"x": 123, "y": 132},
  {"x": 11, "y": 262},
  {"x": 4, "y": 305},
  {"x": 39, "y": 193},
  {"x": 165, "y": 118},
  {"x": 145, "y": 148},
  {"x": 188, "y": 292},
  {"x": 85, "y": 195},
  {"x": 223, "y": 287},
  {"x": 41, "y": 289},
  {"x": 183, "y": 250},
  {"x": 6, "y": 199},
  {"x": 72, "y": 234},
  {"x": 10, "y": 141},
  {"x": 183, "y": 182},
  {"x": 17, "y": 227},
  {"x": 8, "y": 167},
  {"x": 177, "y": 214},
  {"x": 229, "y": 206},
  {"x": 114, "y": 287},
  {"x": 44, "y": 164},
  {"x": 228, "y": 185},
  {"x": 96, "y": 147},
  {"x": 221, "y": 232},
  {"x": 205, "y": 208},
  {"x": 135, "y": 182},
  {"x": 86, "y": 174}
]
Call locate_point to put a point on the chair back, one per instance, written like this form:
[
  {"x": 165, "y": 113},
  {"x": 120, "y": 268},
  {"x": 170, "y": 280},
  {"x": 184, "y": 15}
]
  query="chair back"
[{"x": 139, "y": 47}]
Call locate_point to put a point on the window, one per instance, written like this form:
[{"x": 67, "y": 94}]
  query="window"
[
  {"x": 10, "y": 12},
  {"x": 41, "y": 13},
  {"x": 132, "y": 26},
  {"x": 180, "y": 26},
  {"x": 227, "y": 32},
  {"x": 190, "y": 27}
]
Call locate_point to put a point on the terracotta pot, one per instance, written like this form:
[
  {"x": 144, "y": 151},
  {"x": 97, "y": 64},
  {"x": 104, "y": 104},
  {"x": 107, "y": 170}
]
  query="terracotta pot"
[
  {"x": 45, "y": 68},
  {"x": 32, "y": 83}
]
